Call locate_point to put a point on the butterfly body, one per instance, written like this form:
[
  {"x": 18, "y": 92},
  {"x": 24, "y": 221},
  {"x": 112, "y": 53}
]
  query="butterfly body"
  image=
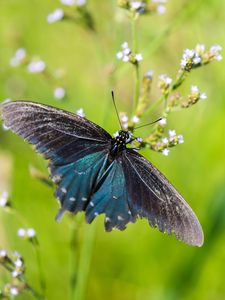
[{"x": 99, "y": 174}]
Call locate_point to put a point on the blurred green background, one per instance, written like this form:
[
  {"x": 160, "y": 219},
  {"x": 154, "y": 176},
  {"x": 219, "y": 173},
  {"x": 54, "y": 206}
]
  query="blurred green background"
[{"x": 139, "y": 263}]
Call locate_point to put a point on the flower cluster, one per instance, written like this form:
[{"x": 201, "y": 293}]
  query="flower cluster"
[
  {"x": 164, "y": 82},
  {"x": 198, "y": 56},
  {"x": 13, "y": 263},
  {"x": 143, "y": 6},
  {"x": 76, "y": 11},
  {"x": 126, "y": 54},
  {"x": 35, "y": 65},
  {"x": 26, "y": 233},
  {"x": 194, "y": 96}
]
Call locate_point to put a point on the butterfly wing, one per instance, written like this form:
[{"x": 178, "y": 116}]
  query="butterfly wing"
[
  {"x": 77, "y": 148},
  {"x": 152, "y": 196},
  {"x": 111, "y": 198}
]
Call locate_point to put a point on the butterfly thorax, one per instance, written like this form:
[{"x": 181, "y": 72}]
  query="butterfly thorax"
[{"x": 119, "y": 142}]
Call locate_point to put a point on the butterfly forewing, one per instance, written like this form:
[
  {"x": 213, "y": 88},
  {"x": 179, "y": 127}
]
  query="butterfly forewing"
[{"x": 154, "y": 197}]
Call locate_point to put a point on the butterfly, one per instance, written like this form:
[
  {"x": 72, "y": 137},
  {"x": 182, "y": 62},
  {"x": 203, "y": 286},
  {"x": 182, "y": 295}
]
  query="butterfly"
[{"x": 98, "y": 174}]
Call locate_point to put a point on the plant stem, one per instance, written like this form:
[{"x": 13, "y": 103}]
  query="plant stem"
[
  {"x": 136, "y": 65},
  {"x": 40, "y": 268},
  {"x": 73, "y": 257},
  {"x": 84, "y": 263}
]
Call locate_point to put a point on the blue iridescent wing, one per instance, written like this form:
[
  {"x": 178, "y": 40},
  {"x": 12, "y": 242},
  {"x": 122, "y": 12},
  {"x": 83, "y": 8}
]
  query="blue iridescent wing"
[
  {"x": 152, "y": 196},
  {"x": 77, "y": 148},
  {"x": 111, "y": 198}
]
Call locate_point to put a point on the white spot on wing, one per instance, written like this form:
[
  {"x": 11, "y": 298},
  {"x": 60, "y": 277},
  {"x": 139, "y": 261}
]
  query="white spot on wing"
[
  {"x": 64, "y": 190},
  {"x": 114, "y": 197},
  {"x": 72, "y": 199},
  {"x": 92, "y": 204},
  {"x": 107, "y": 219},
  {"x": 84, "y": 199},
  {"x": 120, "y": 218}
]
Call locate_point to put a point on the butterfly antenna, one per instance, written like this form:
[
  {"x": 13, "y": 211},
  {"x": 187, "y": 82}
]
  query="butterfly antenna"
[
  {"x": 148, "y": 124},
  {"x": 114, "y": 103}
]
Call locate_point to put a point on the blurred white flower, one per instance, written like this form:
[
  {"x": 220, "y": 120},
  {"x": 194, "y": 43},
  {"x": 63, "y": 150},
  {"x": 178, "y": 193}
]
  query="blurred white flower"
[
  {"x": 203, "y": 96},
  {"x": 21, "y": 232},
  {"x": 135, "y": 119},
  {"x": 59, "y": 93},
  {"x": 172, "y": 133},
  {"x": 55, "y": 16},
  {"x": 162, "y": 122},
  {"x": 31, "y": 232},
  {"x": 194, "y": 89},
  {"x": 14, "y": 291},
  {"x": 138, "y": 57},
  {"x": 180, "y": 139},
  {"x": 18, "y": 263},
  {"x": 80, "y": 112},
  {"x": 36, "y": 66},
  {"x": 165, "y": 152},
  {"x": 4, "y": 198},
  {"x": 18, "y": 57},
  {"x": 68, "y": 2},
  {"x": 165, "y": 140},
  {"x": 161, "y": 9},
  {"x": 3, "y": 253},
  {"x": 80, "y": 2}
]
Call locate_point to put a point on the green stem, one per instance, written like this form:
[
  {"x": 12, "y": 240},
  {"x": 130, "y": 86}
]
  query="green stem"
[
  {"x": 136, "y": 65},
  {"x": 40, "y": 268},
  {"x": 73, "y": 257},
  {"x": 84, "y": 263}
]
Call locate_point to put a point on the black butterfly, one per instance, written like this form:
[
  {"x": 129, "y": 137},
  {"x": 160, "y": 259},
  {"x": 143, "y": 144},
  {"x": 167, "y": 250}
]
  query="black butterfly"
[{"x": 96, "y": 173}]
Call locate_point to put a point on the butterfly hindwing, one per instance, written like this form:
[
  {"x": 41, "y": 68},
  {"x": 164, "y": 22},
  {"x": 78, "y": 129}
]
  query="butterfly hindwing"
[
  {"x": 153, "y": 197},
  {"x": 110, "y": 197}
]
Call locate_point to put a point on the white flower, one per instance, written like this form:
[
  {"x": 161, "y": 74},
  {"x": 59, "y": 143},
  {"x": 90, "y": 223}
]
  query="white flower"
[
  {"x": 68, "y": 2},
  {"x": 55, "y": 16},
  {"x": 188, "y": 53},
  {"x": 135, "y": 119},
  {"x": 215, "y": 48},
  {"x": 31, "y": 232},
  {"x": 37, "y": 66},
  {"x": 80, "y": 112},
  {"x": 194, "y": 89},
  {"x": 126, "y": 58},
  {"x": 18, "y": 57},
  {"x": 80, "y": 2},
  {"x": 218, "y": 57},
  {"x": 13, "y": 291},
  {"x": 203, "y": 96},
  {"x": 124, "y": 118},
  {"x": 165, "y": 140},
  {"x": 172, "y": 133},
  {"x": 139, "y": 139},
  {"x": 59, "y": 93},
  {"x": 18, "y": 263},
  {"x": 197, "y": 60},
  {"x": 138, "y": 57},
  {"x": 161, "y": 9},
  {"x": 162, "y": 122},
  {"x": 4, "y": 198},
  {"x": 200, "y": 48},
  {"x": 135, "y": 5},
  {"x": 180, "y": 139},
  {"x": 165, "y": 79},
  {"x": 16, "y": 254},
  {"x": 124, "y": 45},
  {"x": 119, "y": 55},
  {"x": 21, "y": 232},
  {"x": 149, "y": 74},
  {"x": 165, "y": 152},
  {"x": 15, "y": 273},
  {"x": 3, "y": 253}
]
